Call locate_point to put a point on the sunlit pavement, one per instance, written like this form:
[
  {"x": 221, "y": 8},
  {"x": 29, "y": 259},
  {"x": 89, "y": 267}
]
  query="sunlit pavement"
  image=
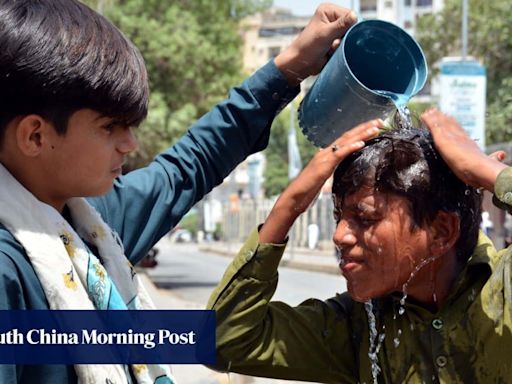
[
  {"x": 196, "y": 374},
  {"x": 173, "y": 299}
]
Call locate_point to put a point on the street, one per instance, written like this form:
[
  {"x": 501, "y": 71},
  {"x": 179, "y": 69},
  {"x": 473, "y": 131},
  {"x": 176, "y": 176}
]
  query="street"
[
  {"x": 185, "y": 278},
  {"x": 192, "y": 275}
]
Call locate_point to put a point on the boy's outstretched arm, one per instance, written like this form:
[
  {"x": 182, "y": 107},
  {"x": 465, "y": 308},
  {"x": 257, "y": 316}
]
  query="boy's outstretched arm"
[
  {"x": 302, "y": 191},
  {"x": 147, "y": 203},
  {"x": 462, "y": 153}
]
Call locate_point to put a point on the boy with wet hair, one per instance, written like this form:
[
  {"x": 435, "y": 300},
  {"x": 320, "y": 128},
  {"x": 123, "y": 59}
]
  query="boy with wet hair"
[
  {"x": 72, "y": 88},
  {"x": 428, "y": 298}
]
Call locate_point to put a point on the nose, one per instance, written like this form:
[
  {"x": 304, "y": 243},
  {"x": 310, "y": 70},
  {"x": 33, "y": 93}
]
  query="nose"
[
  {"x": 127, "y": 142},
  {"x": 344, "y": 235}
]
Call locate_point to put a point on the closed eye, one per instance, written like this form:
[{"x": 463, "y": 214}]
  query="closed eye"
[
  {"x": 337, "y": 216},
  {"x": 109, "y": 127},
  {"x": 367, "y": 221}
]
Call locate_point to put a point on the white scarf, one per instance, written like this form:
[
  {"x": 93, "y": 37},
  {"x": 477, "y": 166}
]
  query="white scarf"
[{"x": 61, "y": 261}]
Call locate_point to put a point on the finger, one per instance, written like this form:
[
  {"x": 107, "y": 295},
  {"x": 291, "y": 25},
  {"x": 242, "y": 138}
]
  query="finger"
[
  {"x": 498, "y": 156},
  {"x": 334, "y": 46},
  {"x": 342, "y": 151},
  {"x": 346, "y": 146},
  {"x": 429, "y": 117},
  {"x": 363, "y": 127},
  {"x": 439, "y": 123}
]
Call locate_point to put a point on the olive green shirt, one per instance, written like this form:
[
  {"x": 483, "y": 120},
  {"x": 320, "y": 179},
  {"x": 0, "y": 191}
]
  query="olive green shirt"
[{"x": 468, "y": 340}]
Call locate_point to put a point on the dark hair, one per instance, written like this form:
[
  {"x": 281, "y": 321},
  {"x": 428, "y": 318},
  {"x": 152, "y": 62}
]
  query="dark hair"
[
  {"x": 405, "y": 162},
  {"x": 58, "y": 56}
]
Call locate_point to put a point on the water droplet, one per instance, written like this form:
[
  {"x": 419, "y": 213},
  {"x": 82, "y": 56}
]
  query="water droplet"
[{"x": 372, "y": 353}]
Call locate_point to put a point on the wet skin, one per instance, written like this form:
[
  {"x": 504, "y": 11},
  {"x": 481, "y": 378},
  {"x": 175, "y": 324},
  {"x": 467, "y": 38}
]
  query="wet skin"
[{"x": 379, "y": 246}]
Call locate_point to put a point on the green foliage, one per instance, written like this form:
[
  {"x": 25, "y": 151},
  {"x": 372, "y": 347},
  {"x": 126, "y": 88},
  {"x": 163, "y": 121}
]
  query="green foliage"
[
  {"x": 192, "y": 53},
  {"x": 276, "y": 170},
  {"x": 190, "y": 222},
  {"x": 417, "y": 108},
  {"x": 489, "y": 39},
  {"x": 499, "y": 114}
]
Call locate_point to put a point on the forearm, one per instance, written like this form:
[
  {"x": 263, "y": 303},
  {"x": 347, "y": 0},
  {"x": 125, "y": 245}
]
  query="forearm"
[
  {"x": 256, "y": 336},
  {"x": 241, "y": 300},
  {"x": 147, "y": 203},
  {"x": 294, "y": 201},
  {"x": 488, "y": 174}
]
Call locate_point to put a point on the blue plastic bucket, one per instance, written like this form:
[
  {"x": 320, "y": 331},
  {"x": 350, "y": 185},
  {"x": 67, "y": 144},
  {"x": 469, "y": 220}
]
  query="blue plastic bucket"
[{"x": 378, "y": 67}]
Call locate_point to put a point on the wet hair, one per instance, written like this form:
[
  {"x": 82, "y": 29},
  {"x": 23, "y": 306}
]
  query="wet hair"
[
  {"x": 59, "y": 56},
  {"x": 404, "y": 162}
]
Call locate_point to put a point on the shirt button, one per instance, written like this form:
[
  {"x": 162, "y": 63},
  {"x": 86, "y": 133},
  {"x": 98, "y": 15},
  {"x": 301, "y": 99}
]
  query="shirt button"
[
  {"x": 437, "y": 324},
  {"x": 275, "y": 96},
  {"x": 441, "y": 361},
  {"x": 249, "y": 256},
  {"x": 507, "y": 198}
]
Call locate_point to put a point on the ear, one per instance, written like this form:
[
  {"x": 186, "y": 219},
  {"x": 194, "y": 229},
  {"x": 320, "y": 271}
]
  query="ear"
[
  {"x": 30, "y": 132},
  {"x": 444, "y": 231}
]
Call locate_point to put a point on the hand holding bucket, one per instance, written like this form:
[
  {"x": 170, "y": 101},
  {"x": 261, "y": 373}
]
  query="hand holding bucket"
[{"x": 377, "y": 68}]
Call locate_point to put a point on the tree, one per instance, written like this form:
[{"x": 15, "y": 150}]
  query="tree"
[
  {"x": 490, "y": 40},
  {"x": 192, "y": 53},
  {"x": 276, "y": 170}
]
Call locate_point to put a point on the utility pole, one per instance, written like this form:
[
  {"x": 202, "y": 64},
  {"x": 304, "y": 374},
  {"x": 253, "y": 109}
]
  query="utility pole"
[{"x": 464, "y": 29}]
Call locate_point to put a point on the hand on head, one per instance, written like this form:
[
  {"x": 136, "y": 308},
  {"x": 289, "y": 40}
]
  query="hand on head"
[
  {"x": 461, "y": 153},
  {"x": 298, "y": 196},
  {"x": 310, "y": 51}
]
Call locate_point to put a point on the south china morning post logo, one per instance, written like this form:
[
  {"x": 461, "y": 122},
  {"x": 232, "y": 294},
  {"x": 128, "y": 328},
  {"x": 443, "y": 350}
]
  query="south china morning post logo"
[
  {"x": 107, "y": 337},
  {"x": 93, "y": 337}
]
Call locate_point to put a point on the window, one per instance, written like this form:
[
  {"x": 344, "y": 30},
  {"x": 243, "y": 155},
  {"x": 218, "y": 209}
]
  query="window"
[{"x": 368, "y": 5}]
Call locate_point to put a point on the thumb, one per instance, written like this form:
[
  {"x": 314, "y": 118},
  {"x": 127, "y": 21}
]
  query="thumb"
[{"x": 498, "y": 155}]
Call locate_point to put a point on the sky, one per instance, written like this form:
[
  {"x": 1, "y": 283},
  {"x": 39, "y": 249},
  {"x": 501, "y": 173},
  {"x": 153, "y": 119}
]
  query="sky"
[{"x": 306, "y": 7}]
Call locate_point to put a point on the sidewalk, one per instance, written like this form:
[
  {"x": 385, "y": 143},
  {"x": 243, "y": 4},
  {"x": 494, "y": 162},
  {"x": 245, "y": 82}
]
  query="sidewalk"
[
  {"x": 184, "y": 374},
  {"x": 294, "y": 257},
  {"x": 195, "y": 373}
]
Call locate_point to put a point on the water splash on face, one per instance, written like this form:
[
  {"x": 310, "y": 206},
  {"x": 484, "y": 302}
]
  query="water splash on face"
[{"x": 338, "y": 253}]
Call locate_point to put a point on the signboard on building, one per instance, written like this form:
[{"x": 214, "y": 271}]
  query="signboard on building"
[{"x": 463, "y": 87}]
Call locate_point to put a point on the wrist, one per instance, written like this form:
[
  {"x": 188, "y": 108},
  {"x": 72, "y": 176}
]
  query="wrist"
[
  {"x": 289, "y": 63},
  {"x": 489, "y": 175}
]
